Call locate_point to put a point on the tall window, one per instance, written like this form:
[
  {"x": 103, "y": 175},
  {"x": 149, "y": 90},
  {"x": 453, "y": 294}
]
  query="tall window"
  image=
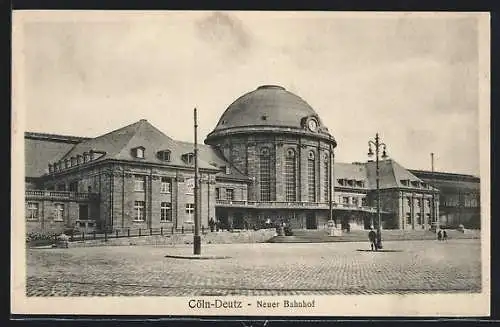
[
  {"x": 166, "y": 212},
  {"x": 139, "y": 208},
  {"x": 265, "y": 175},
  {"x": 408, "y": 218},
  {"x": 290, "y": 176},
  {"x": 311, "y": 177},
  {"x": 139, "y": 183},
  {"x": 419, "y": 218},
  {"x": 326, "y": 190},
  {"x": 230, "y": 194},
  {"x": 217, "y": 193},
  {"x": 166, "y": 185},
  {"x": 189, "y": 212},
  {"x": 355, "y": 201},
  {"x": 73, "y": 186},
  {"x": 32, "y": 212},
  {"x": 58, "y": 212}
]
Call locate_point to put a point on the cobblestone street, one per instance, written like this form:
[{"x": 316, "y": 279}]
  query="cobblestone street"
[{"x": 257, "y": 269}]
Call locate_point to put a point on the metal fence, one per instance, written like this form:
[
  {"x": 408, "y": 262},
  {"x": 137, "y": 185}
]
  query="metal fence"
[{"x": 132, "y": 232}]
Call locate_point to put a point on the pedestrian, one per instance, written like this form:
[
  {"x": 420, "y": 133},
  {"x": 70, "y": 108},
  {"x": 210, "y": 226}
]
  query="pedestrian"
[
  {"x": 372, "y": 236},
  {"x": 211, "y": 223},
  {"x": 445, "y": 235},
  {"x": 440, "y": 237}
]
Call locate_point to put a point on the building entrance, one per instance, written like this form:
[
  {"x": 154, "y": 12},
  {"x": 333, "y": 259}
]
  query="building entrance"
[{"x": 311, "y": 221}]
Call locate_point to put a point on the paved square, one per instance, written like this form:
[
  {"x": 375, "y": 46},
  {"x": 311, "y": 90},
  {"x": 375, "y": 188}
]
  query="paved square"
[{"x": 257, "y": 269}]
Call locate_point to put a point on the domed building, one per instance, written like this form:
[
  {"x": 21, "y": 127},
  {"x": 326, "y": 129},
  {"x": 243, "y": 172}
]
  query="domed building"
[
  {"x": 269, "y": 160},
  {"x": 277, "y": 139}
]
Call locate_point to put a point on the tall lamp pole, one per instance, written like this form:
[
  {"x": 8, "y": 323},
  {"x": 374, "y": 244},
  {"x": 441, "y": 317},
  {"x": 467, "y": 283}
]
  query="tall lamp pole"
[
  {"x": 330, "y": 191},
  {"x": 378, "y": 145},
  {"x": 433, "y": 218},
  {"x": 196, "y": 237}
]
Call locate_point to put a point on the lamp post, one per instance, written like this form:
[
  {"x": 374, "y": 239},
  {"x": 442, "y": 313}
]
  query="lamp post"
[
  {"x": 196, "y": 236},
  {"x": 378, "y": 145}
]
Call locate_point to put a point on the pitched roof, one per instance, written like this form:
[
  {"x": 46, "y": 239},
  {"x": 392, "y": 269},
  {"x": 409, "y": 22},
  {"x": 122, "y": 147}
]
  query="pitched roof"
[
  {"x": 39, "y": 152},
  {"x": 355, "y": 171},
  {"x": 391, "y": 175},
  {"x": 118, "y": 145},
  {"x": 211, "y": 155}
]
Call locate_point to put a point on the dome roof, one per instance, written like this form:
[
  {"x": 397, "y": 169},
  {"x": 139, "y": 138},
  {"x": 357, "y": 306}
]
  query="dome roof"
[{"x": 269, "y": 107}]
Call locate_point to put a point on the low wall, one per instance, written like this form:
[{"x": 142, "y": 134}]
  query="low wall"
[{"x": 260, "y": 236}]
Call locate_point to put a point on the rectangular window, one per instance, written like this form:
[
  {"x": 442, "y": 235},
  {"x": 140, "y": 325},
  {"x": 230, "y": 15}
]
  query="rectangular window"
[
  {"x": 230, "y": 194},
  {"x": 345, "y": 200},
  {"x": 409, "y": 202},
  {"x": 363, "y": 202},
  {"x": 355, "y": 201},
  {"x": 419, "y": 218},
  {"x": 73, "y": 186},
  {"x": 428, "y": 218},
  {"x": 139, "y": 209},
  {"x": 189, "y": 212},
  {"x": 166, "y": 185},
  {"x": 166, "y": 212},
  {"x": 408, "y": 218},
  {"x": 32, "y": 212},
  {"x": 311, "y": 180},
  {"x": 58, "y": 212},
  {"x": 139, "y": 184},
  {"x": 217, "y": 193}
]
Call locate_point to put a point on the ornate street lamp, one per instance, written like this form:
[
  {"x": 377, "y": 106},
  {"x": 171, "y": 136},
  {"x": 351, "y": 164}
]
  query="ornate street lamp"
[{"x": 378, "y": 145}]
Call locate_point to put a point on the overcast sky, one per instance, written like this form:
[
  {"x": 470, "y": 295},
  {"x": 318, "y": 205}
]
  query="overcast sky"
[{"x": 412, "y": 79}]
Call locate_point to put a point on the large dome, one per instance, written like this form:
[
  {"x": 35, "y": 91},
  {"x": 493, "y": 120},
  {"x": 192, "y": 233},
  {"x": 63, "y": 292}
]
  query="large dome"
[{"x": 268, "y": 108}]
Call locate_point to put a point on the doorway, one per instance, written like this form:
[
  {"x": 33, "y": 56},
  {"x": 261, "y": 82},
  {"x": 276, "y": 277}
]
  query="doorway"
[
  {"x": 311, "y": 221},
  {"x": 83, "y": 212}
]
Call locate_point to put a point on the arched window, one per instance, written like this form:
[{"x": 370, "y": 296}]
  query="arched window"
[
  {"x": 326, "y": 166},
  {"x": 290, "y": 176},
  {"x": 265, "y": 175},
  {"x": 311, "y": 177}
]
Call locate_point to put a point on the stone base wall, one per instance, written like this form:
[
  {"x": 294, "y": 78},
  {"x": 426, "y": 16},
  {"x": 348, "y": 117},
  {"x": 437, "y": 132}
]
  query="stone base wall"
[{"x": 225, "y": 237}]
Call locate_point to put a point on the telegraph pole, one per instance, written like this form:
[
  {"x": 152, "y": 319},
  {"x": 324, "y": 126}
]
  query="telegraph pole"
[
  {"x": 196, "y": 237},
  {"x": 433, "y": 199}
]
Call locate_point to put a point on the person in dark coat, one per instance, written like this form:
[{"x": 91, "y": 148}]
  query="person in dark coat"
[
  {"x": 440, "y": 235},
  {"x": 445, "y": 236},
  {"x": 372, "y": 236}
]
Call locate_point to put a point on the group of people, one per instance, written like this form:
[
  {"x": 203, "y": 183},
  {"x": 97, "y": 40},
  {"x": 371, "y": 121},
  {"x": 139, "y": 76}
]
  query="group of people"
[{"x": 442, "y": 236}]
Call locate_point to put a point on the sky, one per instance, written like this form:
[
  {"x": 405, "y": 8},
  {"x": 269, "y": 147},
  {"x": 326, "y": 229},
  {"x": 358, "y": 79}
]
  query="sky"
[{"x": 412, "y": 79}]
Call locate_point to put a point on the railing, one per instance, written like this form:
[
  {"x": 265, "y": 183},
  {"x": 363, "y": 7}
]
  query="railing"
[
  {"x": 284, "y": 205},
  {"x": 82, "y": 235},
  {"x": 59, "y": 195}
]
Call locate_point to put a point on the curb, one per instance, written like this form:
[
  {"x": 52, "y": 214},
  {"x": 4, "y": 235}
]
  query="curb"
[{"x": 197, "y": 257}]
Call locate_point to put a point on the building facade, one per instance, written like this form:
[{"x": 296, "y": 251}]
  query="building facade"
[
  {"x": 270, "y": 159},
  {"x": 459, "y": 198}
]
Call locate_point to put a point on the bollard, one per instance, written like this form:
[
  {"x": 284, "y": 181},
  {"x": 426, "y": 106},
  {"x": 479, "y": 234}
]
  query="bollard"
[
  {"x": 182, "y": 230},
  {"x": 71, "y": 237},
  {"x": 161, "y": 231},
  {"x": 202, "y": 229},
  {"x": 94, "y": 235},
  {"x": 139, "y": 232},
  {"x": 105, "y": 236},
  {"x": 128, "y": 232},
  {"x": 83, "y": 236},
  {"x": 172, "y": 230},
  {"x": 150, "y": 231},
  {"x": 116, "y": 233}
]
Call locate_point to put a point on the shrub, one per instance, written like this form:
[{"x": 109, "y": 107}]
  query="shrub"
[{"x": 37, "y": 236}]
